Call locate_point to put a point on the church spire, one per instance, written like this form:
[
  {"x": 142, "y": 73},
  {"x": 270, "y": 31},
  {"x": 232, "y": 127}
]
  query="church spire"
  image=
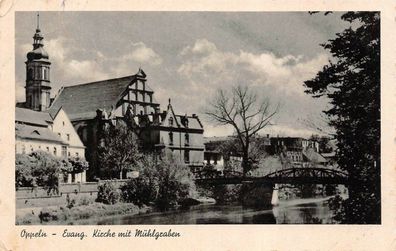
[
  {"x": 37, "y": 38},
  {"x": 38, "y": 22}
]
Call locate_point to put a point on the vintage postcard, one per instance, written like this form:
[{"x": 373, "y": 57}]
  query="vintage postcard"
[{"x": 199, "y": 127}]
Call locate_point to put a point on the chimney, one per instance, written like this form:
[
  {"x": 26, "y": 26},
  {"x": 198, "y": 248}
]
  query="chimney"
[{"x": 99, "y": 113}]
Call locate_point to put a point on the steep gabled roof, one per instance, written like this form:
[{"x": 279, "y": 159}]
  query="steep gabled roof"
[
  {"x": 193, "y": 122},
  {"x": 82, "y": 101},
  {"x": 171, "y": 114},
  {"x": 27, "y": 116}
]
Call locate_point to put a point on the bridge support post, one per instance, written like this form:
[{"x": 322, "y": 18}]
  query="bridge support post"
[
  {"x": 275, "y": 196},
  {"x": 257, "y": 195}
]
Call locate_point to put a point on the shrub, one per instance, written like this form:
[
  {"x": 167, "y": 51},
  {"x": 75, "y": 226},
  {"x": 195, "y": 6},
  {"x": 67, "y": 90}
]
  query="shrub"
[
  {"x": 23, "y": 170},
  {"x": 227, "y": 194},
  {"x": 70, "y": 202},
  {"x": 40, "y": 169},
  {"x": 84, "y": 201},
  {"x": 164, "y": 182},
  {"x": 78, "y": 164},
  {"x": 107, "y": 193},
  {"x": 47, "y": 215},
  {"x": 140, "y": 191}
]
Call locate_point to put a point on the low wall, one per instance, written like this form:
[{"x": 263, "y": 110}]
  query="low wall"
[{"x": 39, "y": 196}]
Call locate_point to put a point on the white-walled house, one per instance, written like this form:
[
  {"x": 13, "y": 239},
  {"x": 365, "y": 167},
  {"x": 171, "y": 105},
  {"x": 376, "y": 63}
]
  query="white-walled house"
[
  {"x": 35, "y": 131},
  {"x": 65, "y": 130}
]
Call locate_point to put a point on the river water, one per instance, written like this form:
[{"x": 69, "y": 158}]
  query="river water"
[{"x": 294, "y": 211}]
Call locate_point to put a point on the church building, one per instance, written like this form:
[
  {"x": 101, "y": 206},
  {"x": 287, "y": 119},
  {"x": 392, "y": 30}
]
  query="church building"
[
  {"x": 91, "y": 105},
  {"x": 86, "y": 108}
]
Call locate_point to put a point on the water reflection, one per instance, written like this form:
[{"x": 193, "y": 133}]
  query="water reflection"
[{"x": 299, "y": 211}]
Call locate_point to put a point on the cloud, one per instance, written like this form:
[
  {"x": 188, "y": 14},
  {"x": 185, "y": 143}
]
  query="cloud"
[
  {"x": 204, "y": 60},
  {"x": 73, "y": 65},
  {"x": 57, "y": 49},
  {"x": 68, "y": 68},
  {"x": 290, "y": 131},
  {"x": 19, "y": 92},
  {"x": 142, "y": 54},
  {"x": 206, "y": 68},
  {"x": 212, "y": 130},
  {"x": 85, "y": 70}
]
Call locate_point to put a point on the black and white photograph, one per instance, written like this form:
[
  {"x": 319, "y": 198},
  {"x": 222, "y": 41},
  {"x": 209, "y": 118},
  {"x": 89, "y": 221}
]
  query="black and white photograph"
[{"x": 197, "y": 117}]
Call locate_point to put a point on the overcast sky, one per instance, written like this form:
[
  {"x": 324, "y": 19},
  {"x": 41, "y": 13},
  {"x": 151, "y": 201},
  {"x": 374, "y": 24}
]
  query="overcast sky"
[{"x": 187, "y": 56}]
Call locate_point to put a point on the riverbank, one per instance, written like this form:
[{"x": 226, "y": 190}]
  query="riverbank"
[{"x": 59, "y": 215}]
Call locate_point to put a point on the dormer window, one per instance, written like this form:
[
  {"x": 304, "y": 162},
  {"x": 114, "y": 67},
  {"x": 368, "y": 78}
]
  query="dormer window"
[
  {"x": 170, "y": 121},
  {"x": 184, "y": 121}
]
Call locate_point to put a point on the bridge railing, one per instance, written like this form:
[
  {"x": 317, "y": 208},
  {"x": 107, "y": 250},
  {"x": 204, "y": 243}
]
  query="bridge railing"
[
  {"x": 212, "y": 173},
  {"x": 290, "y": 175}
]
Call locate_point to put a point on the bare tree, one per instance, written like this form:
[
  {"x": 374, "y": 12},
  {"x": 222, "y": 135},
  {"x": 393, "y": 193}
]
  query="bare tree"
[{"x": 241, "y": 109}]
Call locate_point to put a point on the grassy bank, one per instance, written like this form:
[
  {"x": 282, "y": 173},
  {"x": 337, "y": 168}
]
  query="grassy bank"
[{"x": 60, "y": 215}]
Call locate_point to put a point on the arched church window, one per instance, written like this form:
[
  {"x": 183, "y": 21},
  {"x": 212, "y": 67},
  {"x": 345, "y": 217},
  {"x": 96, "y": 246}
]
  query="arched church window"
[
  {"x": 45, "y": 70},
  {"x": 39, "y": 73}
]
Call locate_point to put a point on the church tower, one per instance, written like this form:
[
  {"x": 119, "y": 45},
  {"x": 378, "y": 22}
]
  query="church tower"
[{"x": 38, "y": 86}]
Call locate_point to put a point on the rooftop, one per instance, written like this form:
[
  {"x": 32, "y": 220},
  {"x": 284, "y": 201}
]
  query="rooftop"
[
  {"x": 36, "y": 133},
  {"x": 81, "y": 101},
  {"x": 27, "y": 116}
]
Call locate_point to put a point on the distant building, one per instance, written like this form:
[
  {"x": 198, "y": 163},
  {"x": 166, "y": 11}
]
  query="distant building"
[
  {"x": 294, "y": 150},
  {"x": 182, "y": 134},
  {"x": 299, "y": 151},
  {"x": 213, "y": 155},
  {"x": 36, "y": 128}
]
